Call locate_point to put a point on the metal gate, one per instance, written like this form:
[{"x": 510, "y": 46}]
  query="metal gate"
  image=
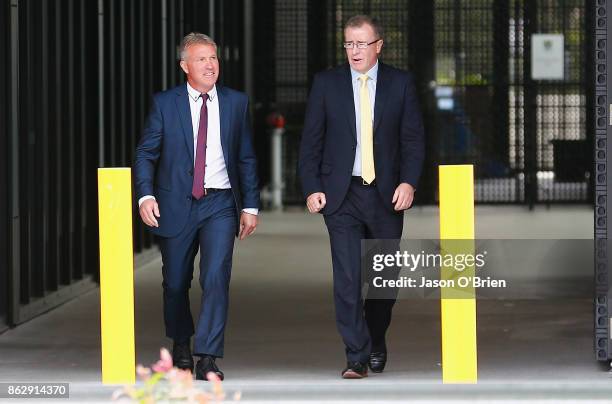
[
  {"x": 530, "y": 140},
  {"x": 74, "y": 92},
  {"x": 5, "y": 112}
]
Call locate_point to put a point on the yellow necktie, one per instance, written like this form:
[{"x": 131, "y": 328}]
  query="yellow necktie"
[{"x": 367, "y": 146}]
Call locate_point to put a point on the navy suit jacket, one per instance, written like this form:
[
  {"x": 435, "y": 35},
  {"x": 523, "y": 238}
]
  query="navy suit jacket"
[
  {"x": 329, "y": 138},
  {"x": 164, "y": 157}
]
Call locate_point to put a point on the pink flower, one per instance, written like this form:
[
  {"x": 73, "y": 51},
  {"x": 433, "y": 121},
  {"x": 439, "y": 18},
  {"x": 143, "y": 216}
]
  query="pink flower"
[
  {"x": 143, "y": 373},
  {"x": 170, "y": 384},
  {"x": 217, "y": 388},
  {"x": 212, "y": 377},
  {"x": 180, "y": 376},
  {"x": 164, "y": 364}
]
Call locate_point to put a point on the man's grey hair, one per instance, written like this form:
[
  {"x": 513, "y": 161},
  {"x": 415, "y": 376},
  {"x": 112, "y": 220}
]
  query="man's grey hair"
[
  {"x": 361, "y": 19},
  {"x": 194, "y": 38}
]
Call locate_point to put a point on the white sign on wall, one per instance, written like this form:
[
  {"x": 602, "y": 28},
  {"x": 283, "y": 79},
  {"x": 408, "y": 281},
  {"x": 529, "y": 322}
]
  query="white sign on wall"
[{"x": 547, "y": 57}]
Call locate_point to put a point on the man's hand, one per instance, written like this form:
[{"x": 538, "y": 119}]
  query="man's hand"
[
  {"x": 248, "y": 224},
  {"x": 315, "y": 202},
  {"x": 149, "y": 210},
  {"x": 403, "y": 196}
]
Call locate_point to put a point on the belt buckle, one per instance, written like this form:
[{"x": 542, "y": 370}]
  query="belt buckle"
[{"x": 205, "y": 191}]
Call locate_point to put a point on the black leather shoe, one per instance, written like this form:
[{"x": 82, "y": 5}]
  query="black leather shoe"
[
  {"x": 355, "y": 370},
  {"x": 377, "y": 361},
  {"x": 181, "y": 356},
  {"x": 207, "y": 364}
]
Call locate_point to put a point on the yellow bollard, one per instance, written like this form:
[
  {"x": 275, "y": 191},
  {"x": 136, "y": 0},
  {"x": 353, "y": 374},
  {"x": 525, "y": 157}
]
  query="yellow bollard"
[
  {"x": 458, "y": 304},
  {"x": 116, "y": 275}
]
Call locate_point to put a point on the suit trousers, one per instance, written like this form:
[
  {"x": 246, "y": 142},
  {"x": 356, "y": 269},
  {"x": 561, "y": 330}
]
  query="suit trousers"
[
  {"x": 362, "y": 215},
  {"x": 211, "y": 228}
]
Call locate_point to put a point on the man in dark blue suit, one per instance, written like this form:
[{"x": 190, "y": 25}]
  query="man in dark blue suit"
[
  {"x": 360, "y": 160},
  {"x": 196, "y": 183}
]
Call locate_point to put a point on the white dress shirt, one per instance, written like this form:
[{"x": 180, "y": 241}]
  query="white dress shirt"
[
  {"x": 373, "y": 75},
  {"x": 215, "y": 175}
]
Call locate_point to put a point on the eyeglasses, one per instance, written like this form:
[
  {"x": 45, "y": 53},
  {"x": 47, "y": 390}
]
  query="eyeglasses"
[{"x": 359, "y": 45}]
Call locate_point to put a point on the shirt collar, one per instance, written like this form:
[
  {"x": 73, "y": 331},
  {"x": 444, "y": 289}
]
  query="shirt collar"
[
  {"x": 195, "y": 94},
  {"x": 372, "y": 73}
]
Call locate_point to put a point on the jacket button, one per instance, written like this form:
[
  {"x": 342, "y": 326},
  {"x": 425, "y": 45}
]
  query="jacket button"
[
  {"x": 191, "y": 172},
  {"x": 188, "y": 197}
]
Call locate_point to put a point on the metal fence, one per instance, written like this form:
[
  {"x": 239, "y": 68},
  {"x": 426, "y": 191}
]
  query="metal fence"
[
  {"x": 78, "y": 75},
  {"x": 603, "y": 203},
  {"x": 5, "y": 219},
  {"x": 75, "y": 86},
  {"x": 530, "y": 140}
]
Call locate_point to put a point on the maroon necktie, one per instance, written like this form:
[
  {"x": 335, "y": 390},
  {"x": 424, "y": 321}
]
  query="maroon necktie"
[{"x": 197, "y": 190}]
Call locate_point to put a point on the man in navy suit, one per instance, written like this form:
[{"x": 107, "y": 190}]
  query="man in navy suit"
[
  {"x": 360, "y": 160},
  {"x": 196, "y": 181}
]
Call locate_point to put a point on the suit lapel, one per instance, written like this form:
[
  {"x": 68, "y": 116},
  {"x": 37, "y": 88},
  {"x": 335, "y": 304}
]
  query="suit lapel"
[
  {"x": 346, "y": 93},
  {"x": 182, "y": 104},
  {"x": 382, "y": 91},
  {"x": 225, "y": 113}
]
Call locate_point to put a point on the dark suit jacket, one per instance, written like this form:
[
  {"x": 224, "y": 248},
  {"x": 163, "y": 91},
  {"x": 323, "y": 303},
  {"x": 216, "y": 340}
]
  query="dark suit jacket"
[
  {"x": 329, "y": 138},
  {"x": 164, "y": 157}
]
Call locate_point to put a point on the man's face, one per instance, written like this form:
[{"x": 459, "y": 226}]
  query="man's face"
[
  {"x": 362, "y": 60},
  {"x": 201, "y": 66}
]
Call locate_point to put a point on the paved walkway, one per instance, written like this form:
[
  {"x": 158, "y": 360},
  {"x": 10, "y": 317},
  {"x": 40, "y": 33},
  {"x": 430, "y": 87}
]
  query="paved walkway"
[{"x": 282, "y": 343}]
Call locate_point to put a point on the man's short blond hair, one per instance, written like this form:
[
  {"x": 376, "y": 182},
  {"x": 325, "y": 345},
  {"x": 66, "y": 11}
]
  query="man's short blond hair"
[{"x": 194, "y": 38}]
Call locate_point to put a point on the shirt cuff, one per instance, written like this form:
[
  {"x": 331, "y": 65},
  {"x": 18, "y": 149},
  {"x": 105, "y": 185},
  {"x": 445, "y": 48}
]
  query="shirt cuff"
[
  {"x": 251, "y": 211},
  {"x": 144, "y": 198}
]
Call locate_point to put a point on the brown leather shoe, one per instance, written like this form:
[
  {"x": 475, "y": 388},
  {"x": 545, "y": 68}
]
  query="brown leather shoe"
[{"x": 355, "y": 370}]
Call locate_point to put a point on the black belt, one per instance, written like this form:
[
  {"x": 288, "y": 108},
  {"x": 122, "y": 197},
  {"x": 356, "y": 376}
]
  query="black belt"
[
  {"x": 210, "y": 191},
  {"x": 361, "y": 181},
  {"x": 213, "y": 190}
]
